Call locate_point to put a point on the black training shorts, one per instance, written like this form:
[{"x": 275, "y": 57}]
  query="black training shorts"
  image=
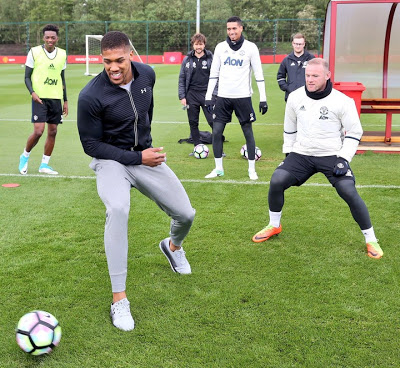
[
  {"x": 303, "y": 167},
  {"x": 242, "y": 106},
  {"x": 49, "y": 112}
]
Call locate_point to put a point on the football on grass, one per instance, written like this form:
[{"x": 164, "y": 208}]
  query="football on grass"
[
  {"x": 38, "y": 332},
  {"x": 244, "y": 153},
  {"x": 201, "y": 151}
]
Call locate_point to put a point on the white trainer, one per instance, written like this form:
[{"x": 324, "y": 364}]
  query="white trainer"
[
  {"x": 46, "y": 169},
  {"x": 121, "y": 315},
  {"x": 176, "y": 259},
  {"x": 253, "y": 175},
  {"x": 214, "y": 174}
]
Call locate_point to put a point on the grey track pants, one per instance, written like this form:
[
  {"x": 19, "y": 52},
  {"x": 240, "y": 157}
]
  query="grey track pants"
[{"x": 160, "y": 184}]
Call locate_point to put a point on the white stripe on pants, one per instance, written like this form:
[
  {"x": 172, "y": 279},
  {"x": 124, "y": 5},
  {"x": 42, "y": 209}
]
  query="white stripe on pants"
[{"x": 160, "y": 184}]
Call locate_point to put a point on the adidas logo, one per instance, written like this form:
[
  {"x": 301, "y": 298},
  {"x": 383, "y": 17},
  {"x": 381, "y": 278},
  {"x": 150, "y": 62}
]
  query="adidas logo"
[
  {"x": 51, "y": 66},
  {"x": 302, "y": 108}
]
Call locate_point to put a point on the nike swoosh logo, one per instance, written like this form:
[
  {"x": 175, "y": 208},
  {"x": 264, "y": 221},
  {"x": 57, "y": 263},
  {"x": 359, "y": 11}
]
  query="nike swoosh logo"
[{"x": 262, "y": 237}]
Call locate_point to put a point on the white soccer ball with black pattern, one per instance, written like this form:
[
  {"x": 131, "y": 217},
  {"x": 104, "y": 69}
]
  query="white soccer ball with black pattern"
[
  {"x": 244, "y": 153},
  {"x": 38, "y": 332},
  {"x": 201, "y": 151}
]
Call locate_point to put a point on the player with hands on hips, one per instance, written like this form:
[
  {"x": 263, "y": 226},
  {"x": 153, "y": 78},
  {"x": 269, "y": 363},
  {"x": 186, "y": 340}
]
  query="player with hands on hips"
[
  {"x": 322, "y": 131},
  {"x": 234, "y": 60},
  {"x": 115, "y": 111}
]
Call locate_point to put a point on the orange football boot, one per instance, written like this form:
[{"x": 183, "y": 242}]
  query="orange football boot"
[
  {"x": 266, "y": 233},
  {"x": 374, "y": 250}
]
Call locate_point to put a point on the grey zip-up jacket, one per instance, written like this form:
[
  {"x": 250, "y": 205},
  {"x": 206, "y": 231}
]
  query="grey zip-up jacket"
[{"x": 113, "y": 123}]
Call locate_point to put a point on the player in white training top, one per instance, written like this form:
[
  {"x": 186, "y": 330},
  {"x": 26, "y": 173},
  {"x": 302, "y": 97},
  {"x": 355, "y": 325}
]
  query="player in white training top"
[
  {"x": 321, "y": 134},
  {"x": 234, "y": 59}
]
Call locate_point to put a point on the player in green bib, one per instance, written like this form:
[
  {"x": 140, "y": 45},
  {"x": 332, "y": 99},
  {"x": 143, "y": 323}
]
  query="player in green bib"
[{"x": 45, "y": 80}]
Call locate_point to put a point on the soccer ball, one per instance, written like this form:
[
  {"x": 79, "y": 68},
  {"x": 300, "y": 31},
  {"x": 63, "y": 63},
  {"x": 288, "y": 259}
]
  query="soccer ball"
[
  {"x": 38, "y": 332},
  {"x": 244, "y": 153},
  {"x": 201, "y": 151}
]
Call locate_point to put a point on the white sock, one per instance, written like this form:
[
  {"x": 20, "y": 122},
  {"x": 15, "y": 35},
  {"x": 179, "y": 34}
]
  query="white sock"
[
  {"x": 369, "y": 235},
  {"x": 252, "y": 165},
  {"x": 26, "y": 154},
  {"x": 218, "y": 164},
  {"x": 275, "y": 218},
  {"x": 45, "y": 159}
]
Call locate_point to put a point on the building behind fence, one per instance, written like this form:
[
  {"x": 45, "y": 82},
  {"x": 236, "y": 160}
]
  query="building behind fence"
[{"x": 273, "y": 37}]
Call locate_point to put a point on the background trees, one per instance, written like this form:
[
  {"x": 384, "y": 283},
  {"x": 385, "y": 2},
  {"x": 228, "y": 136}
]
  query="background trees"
[
  {"x": 83, "y": 10},
  {"x": 156, "y": 26}
]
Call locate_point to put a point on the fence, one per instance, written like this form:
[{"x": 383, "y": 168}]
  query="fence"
[{"x": 156, "y": 37}]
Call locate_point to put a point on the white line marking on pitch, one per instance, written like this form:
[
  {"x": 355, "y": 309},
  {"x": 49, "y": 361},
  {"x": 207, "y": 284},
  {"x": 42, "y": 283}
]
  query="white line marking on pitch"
[{"x": 199, "y": 181}]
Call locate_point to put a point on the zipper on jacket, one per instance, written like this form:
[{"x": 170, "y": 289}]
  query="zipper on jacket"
[{"x": 136, "y": 117}]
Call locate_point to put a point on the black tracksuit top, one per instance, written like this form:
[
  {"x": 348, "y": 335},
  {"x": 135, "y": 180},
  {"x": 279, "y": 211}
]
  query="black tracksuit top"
[
  {"x": 114, "y": 124},
  {"x": 291, "y": 72}
]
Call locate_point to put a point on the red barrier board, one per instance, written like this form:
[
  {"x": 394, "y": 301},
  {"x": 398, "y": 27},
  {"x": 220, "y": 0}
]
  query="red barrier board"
[
  {"x": 173, "y": 57},
  {"x": 167, "y": 58},
  {"x": 12, "y": 59}
]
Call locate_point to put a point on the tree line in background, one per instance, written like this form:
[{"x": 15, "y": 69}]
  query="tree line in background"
[
  {"x": 158, "y": 25},
  {"x": 88, "y": 10}
]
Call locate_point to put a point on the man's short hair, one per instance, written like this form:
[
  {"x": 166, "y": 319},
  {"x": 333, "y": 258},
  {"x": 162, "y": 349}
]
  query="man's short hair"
[
  {"x": 198, "y": 37},
  {"x": 298, "y": 35},
  {"x": 235, "y": 19},
  {"x": 319, "y": 61},
  {"x": 114, "y": 40},
  {"x": 50, "y": 27}
]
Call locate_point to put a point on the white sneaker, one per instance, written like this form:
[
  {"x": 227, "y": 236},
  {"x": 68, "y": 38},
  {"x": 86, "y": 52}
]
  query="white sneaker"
[
  {"x": 176, "y": 259},
  {"x": 253, "y": 175},
  {"x": 46, "y": 169},
  {"x": 214, "y": 174},
  {"x": 121, "y": 315}
]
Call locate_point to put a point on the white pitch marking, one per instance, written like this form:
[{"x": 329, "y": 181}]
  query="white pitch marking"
[{"x": 199, "y": 181}]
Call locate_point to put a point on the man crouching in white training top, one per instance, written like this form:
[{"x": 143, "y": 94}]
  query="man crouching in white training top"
[{"x": 321, "y": 134}]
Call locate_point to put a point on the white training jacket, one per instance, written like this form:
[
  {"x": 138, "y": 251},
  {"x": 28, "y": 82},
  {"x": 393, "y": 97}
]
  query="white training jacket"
[
  {"x": 232, "y": 70},
  {"x": 325, "y": 127}
]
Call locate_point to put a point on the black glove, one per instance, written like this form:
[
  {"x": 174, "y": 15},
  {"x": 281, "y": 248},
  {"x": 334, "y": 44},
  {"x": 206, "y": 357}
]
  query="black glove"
[
  {"x": 341, "y": 167},
  {"x": 263, "y": 107},
  {"x": 209, "y": 105}
]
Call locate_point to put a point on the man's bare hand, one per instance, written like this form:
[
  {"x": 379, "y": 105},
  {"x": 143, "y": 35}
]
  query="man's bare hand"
[
  {"x": 151, "y": 156},
  {"x": 65, "y": 108},
  {"x": 36, "y": 98}
]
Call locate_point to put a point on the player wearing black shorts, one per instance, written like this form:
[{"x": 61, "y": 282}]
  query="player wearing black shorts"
[
  {"x": 45, "y": 80},
  {"x": 234, "y": 60},
  {"x": 321, "y": 134}
]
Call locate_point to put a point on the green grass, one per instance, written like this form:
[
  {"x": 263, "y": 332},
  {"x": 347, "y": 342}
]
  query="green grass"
[{"x": 308, "y": 298}]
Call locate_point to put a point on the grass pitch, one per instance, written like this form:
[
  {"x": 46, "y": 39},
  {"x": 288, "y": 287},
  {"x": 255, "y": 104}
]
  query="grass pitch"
[{"x": 308, "y": 298}]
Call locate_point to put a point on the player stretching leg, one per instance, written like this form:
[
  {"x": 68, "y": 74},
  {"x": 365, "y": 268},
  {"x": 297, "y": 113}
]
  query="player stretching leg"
[{"x": 316, "y": 118}]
